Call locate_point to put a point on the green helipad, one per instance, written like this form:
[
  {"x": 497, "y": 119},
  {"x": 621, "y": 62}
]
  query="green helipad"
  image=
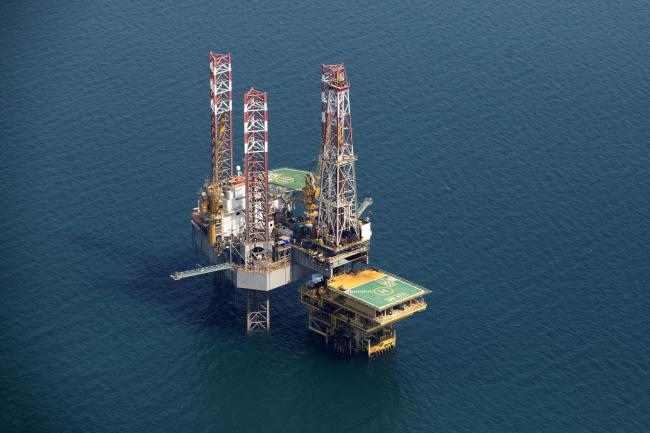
[
  {"x": 287, "y": 179},
  {"x": 376, "y": 289}
]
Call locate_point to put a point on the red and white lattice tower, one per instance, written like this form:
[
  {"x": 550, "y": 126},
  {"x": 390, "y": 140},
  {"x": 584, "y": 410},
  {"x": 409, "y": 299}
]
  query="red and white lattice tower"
[
  {"x": 256, "y": 171},
  {"x": 337, "y": 222},
  {"x": 221, "y": 104}
]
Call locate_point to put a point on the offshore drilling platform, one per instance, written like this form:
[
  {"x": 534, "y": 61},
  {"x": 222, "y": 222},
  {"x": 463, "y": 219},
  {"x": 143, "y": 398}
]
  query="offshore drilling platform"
[{"x": 267, "y": 228}]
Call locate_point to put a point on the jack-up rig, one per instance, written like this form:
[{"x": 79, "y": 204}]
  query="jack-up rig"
[{"x": 265, "y": 229}]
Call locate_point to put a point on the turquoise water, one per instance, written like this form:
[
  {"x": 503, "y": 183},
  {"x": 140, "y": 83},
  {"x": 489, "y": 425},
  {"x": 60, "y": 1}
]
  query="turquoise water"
[{"x": 506, "y": 146}]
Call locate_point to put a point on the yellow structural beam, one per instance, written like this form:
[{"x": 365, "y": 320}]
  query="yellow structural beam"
[{"x": 382, "y": 347}]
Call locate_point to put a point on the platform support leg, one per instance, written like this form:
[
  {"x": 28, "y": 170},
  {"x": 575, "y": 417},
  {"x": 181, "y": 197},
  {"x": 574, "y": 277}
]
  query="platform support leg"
[{"x": 257, "y": 311}]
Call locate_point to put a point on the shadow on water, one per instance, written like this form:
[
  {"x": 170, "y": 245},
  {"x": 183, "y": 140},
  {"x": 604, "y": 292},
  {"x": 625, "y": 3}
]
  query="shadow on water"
[
  {"x": 205, "y": 301},
  {"x": 208, "y": 302}
]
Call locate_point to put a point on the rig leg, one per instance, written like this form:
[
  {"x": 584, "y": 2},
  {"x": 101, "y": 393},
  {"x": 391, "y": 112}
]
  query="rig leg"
[{"x": 257, "y": 311}]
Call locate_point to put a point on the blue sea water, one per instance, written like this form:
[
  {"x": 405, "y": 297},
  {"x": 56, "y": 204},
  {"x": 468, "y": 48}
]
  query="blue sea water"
[{"x": 506, "y": 145}]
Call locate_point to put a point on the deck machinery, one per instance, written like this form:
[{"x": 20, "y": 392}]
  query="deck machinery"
[{"x": 265, "y": 229}]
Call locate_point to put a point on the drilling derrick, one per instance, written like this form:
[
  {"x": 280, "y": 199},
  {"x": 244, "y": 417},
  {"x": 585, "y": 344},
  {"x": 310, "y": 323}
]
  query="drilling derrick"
[
  {"x": 338, "y": 238},
  {"x": 337, "y": 219},
  {"x": 353, "y": 308}
]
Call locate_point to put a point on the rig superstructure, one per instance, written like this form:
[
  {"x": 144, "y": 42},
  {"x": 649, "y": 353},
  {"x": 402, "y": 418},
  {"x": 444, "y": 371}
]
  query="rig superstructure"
[{"x": 265, "y": 229}]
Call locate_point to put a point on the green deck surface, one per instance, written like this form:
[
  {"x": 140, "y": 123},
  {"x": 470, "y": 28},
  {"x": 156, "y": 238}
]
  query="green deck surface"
[
  {"x": 287, "y": 179},
  {"x": 384, "y": 292}
]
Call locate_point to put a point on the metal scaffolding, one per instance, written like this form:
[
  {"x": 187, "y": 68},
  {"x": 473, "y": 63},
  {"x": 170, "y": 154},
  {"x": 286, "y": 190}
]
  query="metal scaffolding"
[{"x": 257, "y": 311}]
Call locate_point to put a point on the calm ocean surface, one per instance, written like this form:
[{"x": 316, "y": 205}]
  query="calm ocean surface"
[{"x": 506, "y": 145}]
